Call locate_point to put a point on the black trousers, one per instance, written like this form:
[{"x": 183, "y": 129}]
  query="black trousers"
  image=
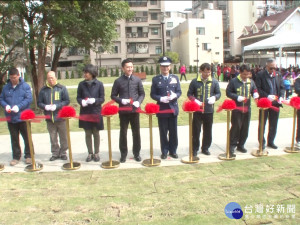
[
  {"x": 199, "y": 119},
  {"x": 298, "y": 126},
  {"x": 134, "y": 120},
  {"x": 182, "y": 75},
  {"x": 239, "y": 128},
  {"x": 168, "y": 125},
  {"x": 15, "y": 129},
  {"x": 273, "y": 121}
]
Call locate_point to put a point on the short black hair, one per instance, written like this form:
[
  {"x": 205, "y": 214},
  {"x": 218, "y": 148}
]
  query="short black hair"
[
  {"x": 270, "y": 60},
  {"x": 245, "y": 67},
  {"x": 205, "y": 66},
  {"x": 13, "y": 71},
  {"x": 126, "y": 61},
  {"x": 90, "y": 69}
]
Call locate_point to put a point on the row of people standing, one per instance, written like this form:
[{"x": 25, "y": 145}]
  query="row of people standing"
[{"x": 128, "y": 92}]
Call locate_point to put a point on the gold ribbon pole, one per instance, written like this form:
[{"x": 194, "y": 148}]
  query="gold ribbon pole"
[
  {"x": 226, "y": 156},
  {"x": 260, "y": 151},
  {"x": 293, "y": 149},
  {"x": 33, "y": 166},
  {"x": 71, "y": 165},
  {"x": 151, "y": 162},
  {"x": 190, "y": 159},
  {"x": 111, "y": 163}
]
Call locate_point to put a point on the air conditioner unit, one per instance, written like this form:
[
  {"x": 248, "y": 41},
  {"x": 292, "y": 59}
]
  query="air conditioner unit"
[
  {"x": 134, "y": 35},
  {"x": 128, "y": 35},
  {"x": 145, "y": 35}
]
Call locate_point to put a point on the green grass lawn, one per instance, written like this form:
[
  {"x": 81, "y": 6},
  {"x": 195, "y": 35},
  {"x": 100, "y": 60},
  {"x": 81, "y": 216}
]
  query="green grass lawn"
[
  {"x": 187, "y": 194},
  {"x": 182, "y": 118}
]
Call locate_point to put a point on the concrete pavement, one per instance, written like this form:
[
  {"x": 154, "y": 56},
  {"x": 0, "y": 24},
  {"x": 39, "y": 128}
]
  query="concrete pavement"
[{"x": 41, "y": 144}]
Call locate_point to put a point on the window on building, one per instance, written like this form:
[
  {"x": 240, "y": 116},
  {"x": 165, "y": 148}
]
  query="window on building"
[
  {"x": 168, "y": 33},
  {"x": 168, "y": 43},
  {"x": 217, "y": 37},
  {"x": 169, "y": 24},
  {"x": 153, "y": 2},
  {"x": 200, "y": 30},
  {"x": 206, "y": 46},
  {"x": 158, "y": 50},
  {"x": 131, "y": 48},
  {"x": 217, "y": 53},
  {"x": 154, "y": 31},
  {"x": 116, "y": 49},
  {"x": 154, "y": 16}
]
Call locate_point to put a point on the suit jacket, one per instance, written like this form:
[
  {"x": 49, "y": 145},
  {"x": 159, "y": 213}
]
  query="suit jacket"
[
  {"x": 127, "y": 88},
  {"x": 161, "y": 88},
  {"x": 297, "y": 86},
  {"x": 264, "y": 87}
]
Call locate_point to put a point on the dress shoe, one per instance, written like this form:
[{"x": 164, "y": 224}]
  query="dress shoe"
[
  {"x": 14, "y": 162},
  {"x": 163, "y": 156},
  {"x": 63, "y": 157},
  {"x": 28, "y": 161},
  {"x": 123, "y": 159},
  {"x": 195, "y": 154},
  {"x": 54, "y": 158},
  {"x": 205, "y": 152},
  {"x": 175, "y": 156},
  {"x": 89, "y": 158},
  {"x": 137, "y": 158},
  {"x": 96, "y": 157},
  {"x": 232, "y": 155},
  {"x": 272, "y": 145},
  {"x": 241, "y": 149}
]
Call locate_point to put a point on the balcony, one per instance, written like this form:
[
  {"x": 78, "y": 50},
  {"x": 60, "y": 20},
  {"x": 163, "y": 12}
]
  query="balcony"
[
  {"x": 137, "y": 3},
  {"x": 142, "y": 19},
  {"x": 137, "y": 35}
]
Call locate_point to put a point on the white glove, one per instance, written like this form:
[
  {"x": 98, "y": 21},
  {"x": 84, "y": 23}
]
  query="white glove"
[
  {"x": 15, "y": 109},
  {"x": 280, "y": 100},
  {"x": 125, "y": 101},
  {"x": 255, "y": 95},
  {"x": 240, "y": 98},
  {"x": 136, "y": 104},
  {"x": 90, "y": 100},
  {"x": 53, "y": 107},
  {"x": 172, "y": 96},
  {"x": 211, "y": 100},
  {"x": 84, "y": 103},
  {"x": 271, "y": 97},
  {"x": 198, "y": 102},
  {"x": 8, "y": 109},
  {"x": 48, "y": 108},
  {"x": 164, "y": 99}
]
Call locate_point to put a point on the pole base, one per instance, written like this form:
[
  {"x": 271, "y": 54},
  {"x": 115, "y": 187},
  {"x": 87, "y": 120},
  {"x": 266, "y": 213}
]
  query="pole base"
[
  {"x": 147, "y": 162},
  {"x": 30, "y": 168},
  {"x": 224, "y": 157},
  {"x": 68, "y": 166},
  {"x": 188, "y": 160},
  {"x": 108, "y": 165},
  {"x": 1, "y": 167},
  {"x": 258, "y": 153},
  {"x": 290, "y": 150}
]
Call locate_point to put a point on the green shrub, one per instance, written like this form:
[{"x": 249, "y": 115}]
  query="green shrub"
[
  {"x": 137, "y": 69},
  {"x": 191, "y": 69},
  {"x": 175, "y": 69},
  {"x": 195, "y": 69},
  {"x": 117, "y": 72},
  {"x": 105, "y": 73},
  {"x": 111, "y": 72},
  {"x": 142, "y": 68},
  {"x": 147, "y": 70},
  {"x": 72, "y": 75},
  {"x": 67, "y": 75},
  {"x": 59, "y": 75},
  {"x": 151, "y": 70},
  {"x": 157, "y": 69}
]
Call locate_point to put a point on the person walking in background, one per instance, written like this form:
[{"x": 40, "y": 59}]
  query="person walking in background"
[
  {"x": 205, "y": 91},
  {"x": 15, "y": 98},
  {"x": 240, "y": 89},
  {"x": 182, "y": 72},
  {"x": 219, "y": 71},
  {"x": 165, "y": 89},
  {"x": 269, "y": 84},
  {"x": 90, "y": 96},
  {"x": 128, "y": 92},
  {"x": 288, "y": 86},
  {"x": 52, "y": 97}
]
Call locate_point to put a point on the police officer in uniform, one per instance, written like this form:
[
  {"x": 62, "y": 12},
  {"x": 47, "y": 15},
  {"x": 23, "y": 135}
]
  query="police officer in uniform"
[
  {"x": 269, "y": 84},
  {"x": 166, "y": 90},
  {"x": 240, "y": 89},
  {"x": 204, "y": 90}
]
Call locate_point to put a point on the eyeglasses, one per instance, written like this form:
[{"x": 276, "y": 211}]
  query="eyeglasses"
[{"x": 272, "y": 68}]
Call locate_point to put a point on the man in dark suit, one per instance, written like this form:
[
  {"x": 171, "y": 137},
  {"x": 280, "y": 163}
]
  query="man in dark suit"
[
  {"x": 166, "y": 90},
  {"x": 297, "y": 91},
  {"x": 129, "y": 92},
  {"x": 269, "y": 84}
]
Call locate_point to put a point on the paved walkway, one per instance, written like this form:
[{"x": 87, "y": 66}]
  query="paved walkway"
[{"x": 42, "y": 147}]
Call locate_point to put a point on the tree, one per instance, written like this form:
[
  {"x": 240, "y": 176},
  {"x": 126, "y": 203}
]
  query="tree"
[
  {"x": 174, "y": 56},
  {"x": 67, "y": 75},
  {"x": 147, "y": 70},
  {"x": 111, "y": 72},
  {"x": 152, "y": 70},
  {"x": 59, "y": 75},
  {"x": 157, "y": 69},
  {"x": 72, "y": 75},
  {"x": 175, "y": 69},
  {"x": 142, "y": 68},
  {"x": 137, "y": 69},
  {"x": 63, "y": 23},
  {"x": 195, "y": 69},
  {"x": 117, "y": 72},
  {"x": 191, "y": 69},
  {"x": 105, "y": 73}
]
